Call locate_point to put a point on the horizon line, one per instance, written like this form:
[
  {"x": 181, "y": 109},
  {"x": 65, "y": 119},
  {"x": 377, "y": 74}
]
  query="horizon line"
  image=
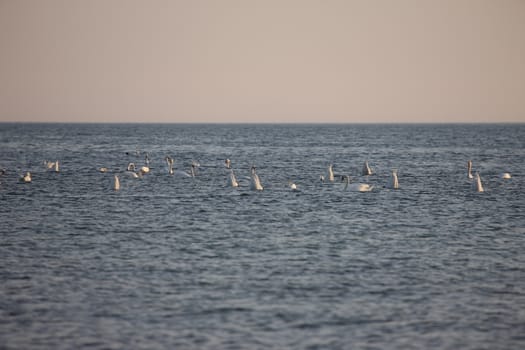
[{"x": 269, "y": 123}]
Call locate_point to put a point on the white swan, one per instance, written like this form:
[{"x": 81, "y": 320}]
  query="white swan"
[
  {"x": 505, "y": 176},
  {"x": 48, "y": 164},
  {"x": 194, "y": 166},
  {"x": 144, "y": 169},
  {"x": 185, "y": 174},
  {"x": 357, "y": 187},
  {"x": 255, "y": 183},
  {"x": 232, "y": 179},
  {"x": 393, "y": 182},
  {"x": 292, "y": 186},
  {"x": 479, "y": 186},
  {"x": 103, "y": 169},
  {"x": 366, "y": 169},
  {"x": 116, "y": 183},
  {"x": 170, "y": 161},
  {"x": 133, "y": 174},
  {"x": 26, "y": 178},
  {"x": 469, "y": 170},
  {"x": 130, "y": 171},
  {"x": 330, "y": 173}
]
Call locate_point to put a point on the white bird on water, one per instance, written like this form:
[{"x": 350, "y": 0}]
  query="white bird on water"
[
  {"x": 130, "y": 171},
  {"x": 52, "y": 165},
  {"x": 170, "y": 161},
  {"x": 356, "y": 187},
  {"x": 330, "y": 174},
  {"x": 232, "y": 180},
  {"x": 255, "y": 183},
  {"x": 505, "y": 176},
  {"x": 393, "y": 182},
  {"x": 292, "y": 186},
  {"x": 479, "y": 186},
  {"x": 116, "y": 183},
  {"x": 366, "y": 169},
  {"x": 185, "y": 174},
  {"x": 228, "y": 163},
  {"x": 26, "y": 178},
  {"x": 469, "y": 170}
]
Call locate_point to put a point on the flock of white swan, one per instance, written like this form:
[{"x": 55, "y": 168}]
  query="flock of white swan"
[{"x": 255, "y": 182}]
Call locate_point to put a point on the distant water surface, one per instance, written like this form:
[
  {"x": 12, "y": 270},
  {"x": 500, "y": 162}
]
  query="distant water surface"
[{"x": 170, "y": 262}]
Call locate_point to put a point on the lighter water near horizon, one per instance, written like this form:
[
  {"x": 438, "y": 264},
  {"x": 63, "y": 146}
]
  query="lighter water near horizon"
[{"x": 169, "y": 262}]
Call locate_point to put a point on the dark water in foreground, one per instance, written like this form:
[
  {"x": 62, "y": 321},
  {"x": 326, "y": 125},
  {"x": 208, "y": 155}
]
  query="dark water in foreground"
[{"x": 170, "y": 262}]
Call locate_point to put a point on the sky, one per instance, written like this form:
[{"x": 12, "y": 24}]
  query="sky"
[{"x": 265, "y": 61}]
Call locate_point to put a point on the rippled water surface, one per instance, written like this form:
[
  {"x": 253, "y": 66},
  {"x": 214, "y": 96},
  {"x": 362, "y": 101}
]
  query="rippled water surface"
[{"x": 170, "y": 262}]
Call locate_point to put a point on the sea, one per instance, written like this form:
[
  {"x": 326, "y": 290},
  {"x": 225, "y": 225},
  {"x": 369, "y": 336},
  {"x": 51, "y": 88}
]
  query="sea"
[{"x": 180, "y": 262}]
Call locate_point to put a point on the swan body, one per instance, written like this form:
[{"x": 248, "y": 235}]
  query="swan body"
[
  {"x": 356, "y": 187},
  {"x": 103, "y": 170},
  {"x": 393, "y": 183},
  {"x": 116, "y": 183},
  {"x": 181, "y": 173},
  {"x": 185, "y": 174},
  {"x": 255, "y": 182},
  {"x": 232, "y": 179},
  {"x": 26, "y": 178},
  {"x": 52, "y": 165},
  {"x": 292, "y": 186},
  {"x": 366, "y": 169},
  {"x": 133, "y": 174},
  {"x": 505, "y": 176},
  {"x": 479, "y": 186},
  {"x": 130, "y": 172},
  {"x": 469, "y": 170}
]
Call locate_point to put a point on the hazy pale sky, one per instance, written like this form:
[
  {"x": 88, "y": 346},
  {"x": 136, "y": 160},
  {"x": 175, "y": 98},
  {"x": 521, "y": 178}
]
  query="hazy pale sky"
[{"x": 262, "y": 61}]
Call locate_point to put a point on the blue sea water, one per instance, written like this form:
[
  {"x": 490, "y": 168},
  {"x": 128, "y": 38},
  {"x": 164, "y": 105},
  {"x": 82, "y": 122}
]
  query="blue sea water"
[{"x": 190, "y": 263}]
